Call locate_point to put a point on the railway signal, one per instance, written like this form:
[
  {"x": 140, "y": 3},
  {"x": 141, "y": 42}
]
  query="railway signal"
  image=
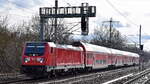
[
  {"x": 141, "y": 50},
  {"x": 141, "y": 47},
  {"x": 84, "y": 12}
]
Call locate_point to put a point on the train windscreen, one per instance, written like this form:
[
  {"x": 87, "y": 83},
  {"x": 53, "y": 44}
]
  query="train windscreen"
[{"x": 35, "y": 49}]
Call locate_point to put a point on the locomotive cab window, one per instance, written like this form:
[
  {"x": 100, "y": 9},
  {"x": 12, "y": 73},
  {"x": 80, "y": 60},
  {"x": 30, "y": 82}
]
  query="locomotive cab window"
[{"x": 34, "y": 49}]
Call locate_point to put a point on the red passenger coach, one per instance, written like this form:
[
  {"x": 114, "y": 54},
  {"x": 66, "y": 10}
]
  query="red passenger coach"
[
  {"x": 102, "y": 57},
  {"x": 40, "y": 57}
]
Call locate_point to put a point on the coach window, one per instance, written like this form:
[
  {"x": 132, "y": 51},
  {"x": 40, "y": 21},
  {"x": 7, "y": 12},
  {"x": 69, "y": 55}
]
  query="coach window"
[
  {"x": 132, "y": 59},
  {"x": 104, "y": 61},
  {"x": 89, "y": 55}
]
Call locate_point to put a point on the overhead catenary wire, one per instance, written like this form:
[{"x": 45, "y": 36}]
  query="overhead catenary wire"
[
  {"x": 19, "y": 6},
  {"x": 30, "y": 11},
  {"x": 129, "y": 20},
  {"x": 126, "y": 37},
  {"x": 73, "y": 22},
  {"x": 8, "y": 12},
  {"x": 119, "y": 12}
]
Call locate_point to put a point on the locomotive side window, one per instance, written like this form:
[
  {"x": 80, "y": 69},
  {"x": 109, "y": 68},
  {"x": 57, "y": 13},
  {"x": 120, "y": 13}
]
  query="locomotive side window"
[
  {"x": 34, "y": 49},
  {"x": 52, "y": 50}
]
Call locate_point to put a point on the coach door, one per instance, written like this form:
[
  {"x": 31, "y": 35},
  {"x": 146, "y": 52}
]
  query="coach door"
[{"x": 89, "y": 59}]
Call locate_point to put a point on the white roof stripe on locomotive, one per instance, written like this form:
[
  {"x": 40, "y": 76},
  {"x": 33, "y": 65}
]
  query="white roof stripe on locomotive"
[
  {"x": 51, "y": 44},
  {"x": 95, "y": 48}
]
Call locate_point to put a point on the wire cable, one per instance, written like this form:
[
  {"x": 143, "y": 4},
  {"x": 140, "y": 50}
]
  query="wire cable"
[
  {"x": 116, "y": 9},
  {"x": 21, "y": 8},
  {"x": 73, "y": 22}
]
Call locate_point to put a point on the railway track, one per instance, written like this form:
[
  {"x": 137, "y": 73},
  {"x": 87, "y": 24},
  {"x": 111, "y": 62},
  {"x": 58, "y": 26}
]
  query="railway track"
[
  {"x": 13, "y": 78},
  {"x": 92, "y": 78},
  {"x": 142, "y": 77},
  {"x": 147, "y": 81},
  {"x": 96, "y": 77}
]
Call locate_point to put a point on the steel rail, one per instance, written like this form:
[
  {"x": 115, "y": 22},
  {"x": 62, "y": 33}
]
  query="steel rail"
[
  {"x": 138, "y": 76},
  {"x": 79, "y": 78}
]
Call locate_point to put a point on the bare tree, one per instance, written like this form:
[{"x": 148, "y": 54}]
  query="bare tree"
[
  {"x": 101, "y": 37},
  {"x": 63, "y": 31},
  {"x": 7, "y": 56}
]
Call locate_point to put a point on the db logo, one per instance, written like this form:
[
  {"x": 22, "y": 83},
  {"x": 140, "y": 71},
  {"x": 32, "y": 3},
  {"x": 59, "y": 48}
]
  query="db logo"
[{"x": 33, "y": 59}]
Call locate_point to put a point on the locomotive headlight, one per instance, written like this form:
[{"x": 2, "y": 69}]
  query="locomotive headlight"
[
  {"x": 40, "y": 60},
  {"x": 26, "y": 60}
]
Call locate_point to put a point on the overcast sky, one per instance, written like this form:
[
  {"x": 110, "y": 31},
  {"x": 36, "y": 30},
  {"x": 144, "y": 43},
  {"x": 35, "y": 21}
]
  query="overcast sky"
[{"x": 130, "y": 14}]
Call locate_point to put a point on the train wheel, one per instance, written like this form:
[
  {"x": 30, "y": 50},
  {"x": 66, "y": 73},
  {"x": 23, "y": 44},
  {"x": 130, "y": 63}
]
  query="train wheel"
[
  {"x": 88, "y": 69},
  {"x": 51, "y": 75},
  {"x": 111, "y": 66}
]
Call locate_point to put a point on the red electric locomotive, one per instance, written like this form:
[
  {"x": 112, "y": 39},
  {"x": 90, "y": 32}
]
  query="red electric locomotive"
[{"x": 44, "y": 57}]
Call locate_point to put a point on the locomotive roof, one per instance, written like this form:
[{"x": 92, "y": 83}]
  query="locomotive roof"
[
  {"x": 95, "y": 48},
  {"x": 52, "y": 44}
]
